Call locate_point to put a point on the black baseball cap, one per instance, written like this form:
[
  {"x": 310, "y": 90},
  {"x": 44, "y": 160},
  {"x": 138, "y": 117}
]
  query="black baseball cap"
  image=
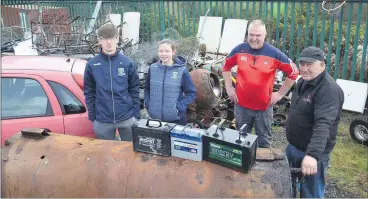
[{"x": 311, "y": 54}]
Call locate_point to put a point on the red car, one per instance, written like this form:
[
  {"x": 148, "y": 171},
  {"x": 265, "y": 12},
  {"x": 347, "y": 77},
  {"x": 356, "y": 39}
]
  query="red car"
[{"x": 43, "y": 92}]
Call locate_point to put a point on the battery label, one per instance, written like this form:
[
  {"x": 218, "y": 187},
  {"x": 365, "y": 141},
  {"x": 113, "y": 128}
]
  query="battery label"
[
  {"x": 149, "y": 141},
  {"x": 187, "y": 147},
  {"x": 225, "y": 154}
]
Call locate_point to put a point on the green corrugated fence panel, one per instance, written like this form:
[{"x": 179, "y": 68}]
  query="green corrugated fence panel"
[
  {"x": 285, "y": 28},
  {"x": 234, "y": 13},
  {"x": 355, "y": 46},
  {"x": 264, "y": 9},
  {"x": 365, "y": 45},
  {"x": 330, "y": 43},
  {"x": 272, "y": 4},
  {"x": 247, "y": 10},
  {"x": 227, "y": 10},
  {"x": 183, "y": 19},
  {"x": 307, "y": 26},
  {"x": 173, "y": 14},
  {"x": 162, "y": 16},
  {"x": 315, "y": 23},
  {"x": 300, "y": 24},
  {"x": 178, "y": 15},
  {"x": 195, "y": 16},
  {"x": 337, "y": 58},
  {"x": 188, "y": 17},
  {"x": 278, "y": 22},
  {"x": 347, "y": 40},
  {"x": 292, "y": 31},
  {"x": 322, "y": 39}
]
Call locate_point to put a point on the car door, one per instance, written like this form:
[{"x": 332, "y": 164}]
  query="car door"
[
  {"x": 27, "y": 101},
  {"x": 74, "y": 112}
]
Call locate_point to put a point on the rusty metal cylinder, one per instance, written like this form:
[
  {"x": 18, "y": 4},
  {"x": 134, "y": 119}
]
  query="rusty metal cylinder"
[
  {"x": 66, "y": 166},
  {"x": 208, "y": 88}
]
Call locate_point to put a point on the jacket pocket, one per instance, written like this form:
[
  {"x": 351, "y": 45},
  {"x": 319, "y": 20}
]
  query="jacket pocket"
[
  {"x": 123, "y": 105},
  {"x": 128, "y": 100},
  {"x": 103, "y": 110}
]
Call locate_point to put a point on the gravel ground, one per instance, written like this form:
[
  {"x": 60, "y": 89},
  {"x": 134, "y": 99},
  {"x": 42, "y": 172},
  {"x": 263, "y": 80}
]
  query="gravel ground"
[
  {"x": 334, "y": 191},
  {"x": 332, "y": 188}
]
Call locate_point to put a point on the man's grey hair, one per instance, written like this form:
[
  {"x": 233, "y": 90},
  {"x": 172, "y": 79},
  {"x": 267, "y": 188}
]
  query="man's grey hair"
[{"x": 257, "y": 22}]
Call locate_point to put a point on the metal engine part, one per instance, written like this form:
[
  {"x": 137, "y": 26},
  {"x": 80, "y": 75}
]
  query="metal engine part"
[
  {"x": 208, "y": 87},
  {"x": 279, "y": 119},
  {"x": 63, "y": 166}
]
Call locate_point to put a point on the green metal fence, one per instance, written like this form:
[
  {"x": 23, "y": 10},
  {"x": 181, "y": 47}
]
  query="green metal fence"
[{"x": 291, "y": 25}]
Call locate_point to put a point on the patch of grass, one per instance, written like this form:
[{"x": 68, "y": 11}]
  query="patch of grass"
[{"x": 349, "y": 163}]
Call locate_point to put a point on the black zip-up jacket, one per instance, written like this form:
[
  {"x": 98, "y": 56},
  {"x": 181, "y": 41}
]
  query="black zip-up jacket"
[{"x": 314, "y": 115}]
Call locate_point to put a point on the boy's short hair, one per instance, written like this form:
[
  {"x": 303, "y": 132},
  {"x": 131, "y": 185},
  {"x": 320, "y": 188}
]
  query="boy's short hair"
[{"x": 108, "y": 30}]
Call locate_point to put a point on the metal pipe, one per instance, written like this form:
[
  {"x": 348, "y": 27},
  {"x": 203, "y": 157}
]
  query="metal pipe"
[{"x": 41, "y": 164}]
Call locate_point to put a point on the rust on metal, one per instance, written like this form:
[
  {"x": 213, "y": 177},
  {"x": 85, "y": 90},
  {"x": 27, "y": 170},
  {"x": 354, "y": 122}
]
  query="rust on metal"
[
  {"x": 66, "y": 166},
  {"x": 208, "y": 89}
]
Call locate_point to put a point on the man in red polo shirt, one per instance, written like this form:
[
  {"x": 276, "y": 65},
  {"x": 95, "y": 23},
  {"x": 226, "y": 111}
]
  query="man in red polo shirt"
[{"x": 257, "y": 63}]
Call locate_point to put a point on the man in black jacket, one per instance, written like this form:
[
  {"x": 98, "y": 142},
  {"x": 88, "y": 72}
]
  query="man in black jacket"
[{"x": 312, "y": 123}]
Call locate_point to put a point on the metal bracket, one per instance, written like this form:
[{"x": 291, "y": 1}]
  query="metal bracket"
[{"x": 35, "y": 133}]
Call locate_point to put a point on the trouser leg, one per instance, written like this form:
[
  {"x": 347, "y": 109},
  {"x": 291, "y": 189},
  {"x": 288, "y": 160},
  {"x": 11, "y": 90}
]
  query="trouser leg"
[
  {"x": 244, "y": 116},
  {"x": 125, "y": 129},
  {"x": 263, "y": 127},
  {"x": 312, "y": 186},
  {"x": 104, "y": 131}
]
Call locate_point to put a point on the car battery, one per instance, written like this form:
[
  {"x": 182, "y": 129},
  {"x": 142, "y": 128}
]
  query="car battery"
[
  {"x": 152, "y": 136},
  {"x": 230, "y": 148},
  {"x": 186, "y": 143}
]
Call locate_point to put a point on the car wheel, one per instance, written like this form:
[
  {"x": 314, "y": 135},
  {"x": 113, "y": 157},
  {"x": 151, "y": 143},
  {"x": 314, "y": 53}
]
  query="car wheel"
[{"x": 359, "y": 130}]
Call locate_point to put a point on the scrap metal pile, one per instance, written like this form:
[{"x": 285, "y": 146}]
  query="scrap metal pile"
[
  {"x": 10, "y": 36},
  {"x": 53, "y": 32},
  {"x": 211, "y": 104},
  {"x": 65, "y": 34},
  {"x": 68, "y": 35}
]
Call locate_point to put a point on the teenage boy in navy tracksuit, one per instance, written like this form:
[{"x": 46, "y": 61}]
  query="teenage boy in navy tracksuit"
[{"x": 111, "y": 88}]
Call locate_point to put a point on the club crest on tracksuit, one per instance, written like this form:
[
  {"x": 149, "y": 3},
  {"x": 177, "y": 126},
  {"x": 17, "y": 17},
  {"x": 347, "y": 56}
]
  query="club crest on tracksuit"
[{"x": 121, "y": 72}]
